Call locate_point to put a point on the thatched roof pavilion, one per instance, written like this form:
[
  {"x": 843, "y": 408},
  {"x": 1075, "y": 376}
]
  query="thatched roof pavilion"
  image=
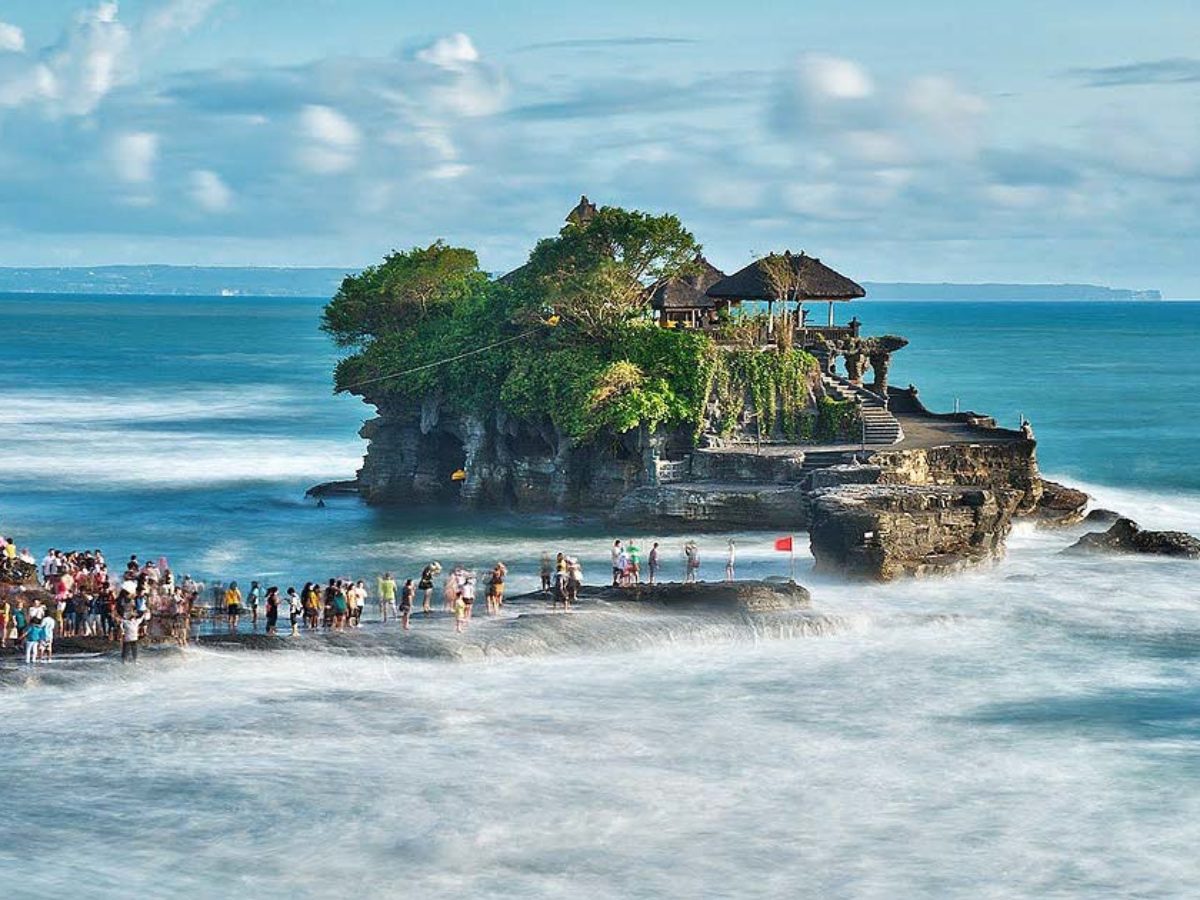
[
  {"x": 814, "y": 281},
  {"x": 683, "y": 299},
  {"x": 811, "y": 280}
]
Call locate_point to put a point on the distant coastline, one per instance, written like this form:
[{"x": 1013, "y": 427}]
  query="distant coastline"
[
  {"x": 877, "y": 290},
  {"x": 237, "y": 281}
]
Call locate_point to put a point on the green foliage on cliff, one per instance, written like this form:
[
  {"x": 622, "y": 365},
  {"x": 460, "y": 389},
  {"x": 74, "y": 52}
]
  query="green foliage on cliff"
[
  {"x": 837, "y": 420},
  {"x": 644, "y": 376},
  {"x": 775, "y": 386},
  {"x": 566, "y": 338}
]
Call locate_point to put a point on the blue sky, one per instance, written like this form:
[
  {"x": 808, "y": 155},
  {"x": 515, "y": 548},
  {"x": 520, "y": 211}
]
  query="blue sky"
[{"x": 900, "y": 141}]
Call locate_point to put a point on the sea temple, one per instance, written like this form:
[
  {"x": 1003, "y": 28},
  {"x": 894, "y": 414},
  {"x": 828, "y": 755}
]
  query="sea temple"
[{"x": 650, "y": 387}]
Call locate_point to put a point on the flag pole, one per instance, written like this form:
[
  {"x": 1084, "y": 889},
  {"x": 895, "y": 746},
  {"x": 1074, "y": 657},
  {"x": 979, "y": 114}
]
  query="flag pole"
[{"x": 792, "y": 554}]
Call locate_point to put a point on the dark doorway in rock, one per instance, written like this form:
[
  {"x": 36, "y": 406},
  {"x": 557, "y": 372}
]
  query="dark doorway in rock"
[{"x": 450, "y": 457}]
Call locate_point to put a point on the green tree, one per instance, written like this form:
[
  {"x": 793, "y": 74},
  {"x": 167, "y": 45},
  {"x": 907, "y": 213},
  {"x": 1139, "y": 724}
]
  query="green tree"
[
  {"x": 402, "y": 291},
  {"x": 598, "y": 274}
]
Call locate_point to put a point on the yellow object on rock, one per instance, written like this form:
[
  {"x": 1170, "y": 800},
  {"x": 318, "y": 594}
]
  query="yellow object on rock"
[{"x": 459, "y": 475}]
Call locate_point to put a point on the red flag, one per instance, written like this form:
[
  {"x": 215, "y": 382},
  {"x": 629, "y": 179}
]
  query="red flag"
[{"x": 784, "y": 544}]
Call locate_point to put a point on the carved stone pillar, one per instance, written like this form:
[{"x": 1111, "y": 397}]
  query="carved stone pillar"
[
  {"x": 856, "y": 365},
  {"x": 880, "y": 363}
]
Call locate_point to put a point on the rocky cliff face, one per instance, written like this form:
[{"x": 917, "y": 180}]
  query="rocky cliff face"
[
  {"x": 881, "y": 532},
  {"x": 414, "y": 452}
]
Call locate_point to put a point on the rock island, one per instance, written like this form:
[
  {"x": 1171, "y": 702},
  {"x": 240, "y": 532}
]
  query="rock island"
[{"x": 619, "y": 373}]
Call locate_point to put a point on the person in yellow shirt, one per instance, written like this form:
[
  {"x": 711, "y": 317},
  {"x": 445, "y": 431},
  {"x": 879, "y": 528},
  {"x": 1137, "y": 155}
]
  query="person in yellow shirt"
[
  {"x": 387, "y": 596},
  {"x": 233, "y": 605}
]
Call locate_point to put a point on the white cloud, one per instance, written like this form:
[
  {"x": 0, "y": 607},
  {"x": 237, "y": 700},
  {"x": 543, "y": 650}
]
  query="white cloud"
[
  {"x": 209, "y": 192},
  {"x": 12, "y": 38},
  {"x": 455, "y": 52},
  {"x": 95, "y": 54},
  {"x": 176, "y": 17},
  {"x": 133, "y": 156},
  {"x": 834, "y": 78},
  {"x": 90, "y": 60},
  {"x": 332, "y": 140}
]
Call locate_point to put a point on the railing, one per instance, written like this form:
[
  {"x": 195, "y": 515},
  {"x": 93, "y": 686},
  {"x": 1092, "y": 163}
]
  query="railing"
[{"x": 667, "y": 471}]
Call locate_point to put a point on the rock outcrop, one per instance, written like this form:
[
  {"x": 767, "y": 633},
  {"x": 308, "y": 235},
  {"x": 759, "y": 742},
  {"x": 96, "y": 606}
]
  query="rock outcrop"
[
  {"x": 741, "y": 596},
  {"x": 1101, "y": 517},
  {"x": 1126, "y": 536},
  {"x": 1060, "y": 506},
  {"x": 1000, "y": 466},
  {"x": 881, "y": 532}
]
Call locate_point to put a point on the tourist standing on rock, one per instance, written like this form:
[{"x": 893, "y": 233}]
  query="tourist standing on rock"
[
  {"x": 452, "y": 589},
  {"x": 467, "y": 591},
  {"x": 460, "y": 614},
  {"x": 5, "y": 614},
  {"x": 254, "y": 599},
  {"x": 407, "y": 596},
  {"x": 233, "y": 607},
  {"x": 272, "y": 609},
  {"x": 48, "y": 625},
  {"x": 331, "y": 592},
  {"x": 545, "y": 571},
  {"x": 574, "y": 582},
  {"x": 691, "y": 554},
  {"x": 730, "y": 561},
  {"x": 495, "y": 593},
  {"x": 617, "y": 569},
  {"x": 560, "y": 582},
  {"x": 387, "y": 596},
  {"x": 652, "y": 562},
  {"x": 295, "y": 610},
  {"x": 635, "y": 562},
  {"x": 131, "y": 629},
  {"x": 341, "y": 607},
  {"x": 33, "y": 641},
  {"x": 360, "y": 601},
  {"x": 425, "y": 585}
]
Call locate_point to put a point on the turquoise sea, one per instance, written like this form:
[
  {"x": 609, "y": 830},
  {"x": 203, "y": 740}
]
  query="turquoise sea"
[{"x": 1028, "y": 730}]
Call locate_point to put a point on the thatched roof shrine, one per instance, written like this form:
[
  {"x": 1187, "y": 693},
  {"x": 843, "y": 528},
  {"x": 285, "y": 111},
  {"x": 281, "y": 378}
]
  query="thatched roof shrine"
[{"x": 815, "y": 281}]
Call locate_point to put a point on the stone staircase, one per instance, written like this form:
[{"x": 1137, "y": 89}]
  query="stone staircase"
[{"x": 879, "y": 425}]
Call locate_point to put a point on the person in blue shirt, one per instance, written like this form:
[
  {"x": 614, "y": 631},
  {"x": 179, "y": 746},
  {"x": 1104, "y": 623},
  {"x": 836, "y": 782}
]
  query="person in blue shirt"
[{"x": 33, "y": 643}]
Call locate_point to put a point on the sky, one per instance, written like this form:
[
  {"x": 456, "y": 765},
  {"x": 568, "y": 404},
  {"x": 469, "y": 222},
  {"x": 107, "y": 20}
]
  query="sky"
[{"x": 919, "y": 141}]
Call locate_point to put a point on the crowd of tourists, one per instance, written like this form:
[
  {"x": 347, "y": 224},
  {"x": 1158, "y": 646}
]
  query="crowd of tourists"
[{"x": 81, "y": 597}]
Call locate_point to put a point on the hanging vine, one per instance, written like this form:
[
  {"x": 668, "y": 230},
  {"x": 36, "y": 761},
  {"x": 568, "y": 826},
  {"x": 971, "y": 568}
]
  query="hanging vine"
[{"x": 775, "y": 384}]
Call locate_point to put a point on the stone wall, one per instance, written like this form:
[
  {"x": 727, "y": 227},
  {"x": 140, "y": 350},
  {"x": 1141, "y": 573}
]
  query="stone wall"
[{"x": 1009, "y": 465}]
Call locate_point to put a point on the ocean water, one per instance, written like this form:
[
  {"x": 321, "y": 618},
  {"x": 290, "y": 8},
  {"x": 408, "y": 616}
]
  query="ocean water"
[{"x": 1029, "y": 730}]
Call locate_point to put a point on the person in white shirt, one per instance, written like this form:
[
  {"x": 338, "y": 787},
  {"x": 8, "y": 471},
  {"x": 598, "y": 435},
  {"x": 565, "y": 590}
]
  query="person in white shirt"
[
  {"x": 617, "y": 571},
  {"x": 48, "y": 625},
  {"x": 730, "y": 560},
  {"x": 467, "y": 591},
  {"x": 131, "y": 627}
]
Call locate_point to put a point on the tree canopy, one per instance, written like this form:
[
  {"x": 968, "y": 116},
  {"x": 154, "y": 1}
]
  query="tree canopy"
[
  {"x": 567, "y": 338},
  {"x": 601, "y": 272},
  {"x": 403, "y": 290}
]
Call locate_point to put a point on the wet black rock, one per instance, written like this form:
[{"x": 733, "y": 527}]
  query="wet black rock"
[
  {"x": 1101, "y": 517},
  {"x": 1126, "y": 536},
  {"x": 1060, "y": 506}
]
